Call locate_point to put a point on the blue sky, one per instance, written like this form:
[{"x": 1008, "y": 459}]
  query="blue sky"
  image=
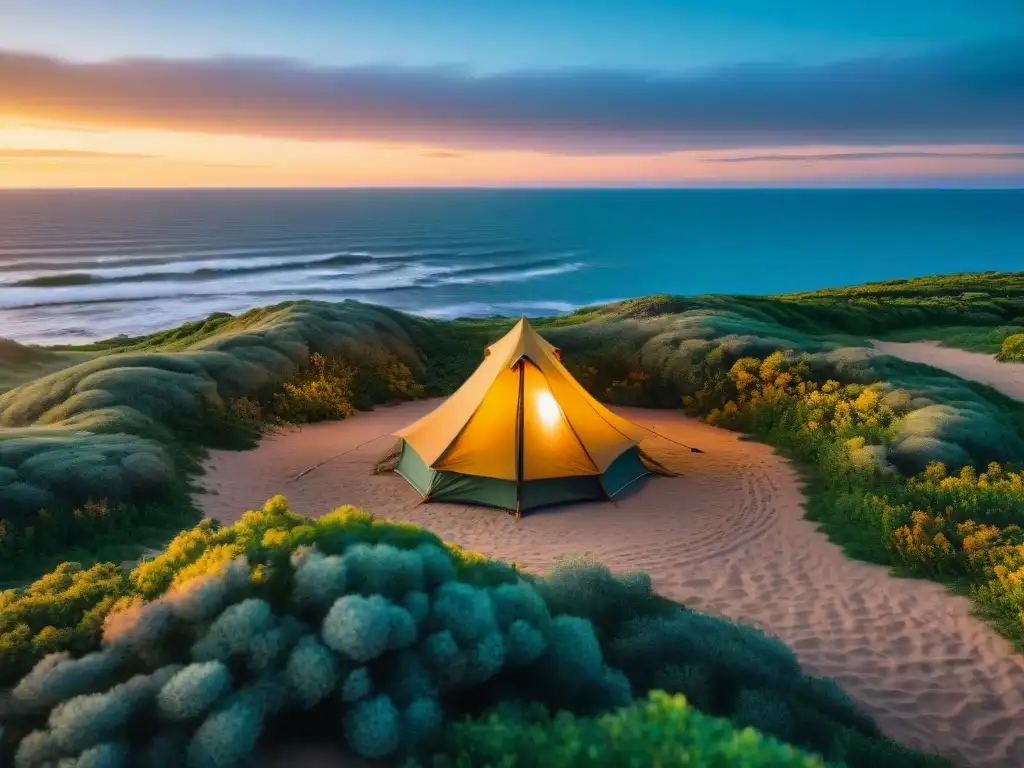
[{"x": 488, "y": 35}]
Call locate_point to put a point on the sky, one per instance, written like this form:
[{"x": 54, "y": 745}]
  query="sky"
[{"x": 511, "y": 93}]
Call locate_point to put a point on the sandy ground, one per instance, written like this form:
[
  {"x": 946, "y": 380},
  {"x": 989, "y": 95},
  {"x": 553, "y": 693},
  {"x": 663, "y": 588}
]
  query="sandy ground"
[
  {"x": 728, "y": 537},
  {"x": 1007, "y": 378}
]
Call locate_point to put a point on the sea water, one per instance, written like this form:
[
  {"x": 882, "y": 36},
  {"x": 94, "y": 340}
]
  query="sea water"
[{"x": 89, "y": 264}]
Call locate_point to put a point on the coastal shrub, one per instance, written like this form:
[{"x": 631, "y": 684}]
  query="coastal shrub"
[
  {"x": 334, "y": 387},
  {"x": 878, "y": 433},
  {"x": 209, "y": 644},
  {"x": 1012, "y": 348},
  {"x": 658, "y": 730},
  {"x": 125, "y": 430},
  {"x": 61, "y": 611}
]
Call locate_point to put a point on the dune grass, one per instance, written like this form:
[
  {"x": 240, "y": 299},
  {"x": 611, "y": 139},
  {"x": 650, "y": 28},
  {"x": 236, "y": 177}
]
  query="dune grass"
[
  {"x": 974, "y": 312},
  {"x": 20, "y": 363}
]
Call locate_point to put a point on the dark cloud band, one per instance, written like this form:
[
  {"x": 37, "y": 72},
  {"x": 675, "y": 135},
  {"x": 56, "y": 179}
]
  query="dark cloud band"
[
  {"x": 830, "y": 156},
  {"x": 969, "y": 95}
]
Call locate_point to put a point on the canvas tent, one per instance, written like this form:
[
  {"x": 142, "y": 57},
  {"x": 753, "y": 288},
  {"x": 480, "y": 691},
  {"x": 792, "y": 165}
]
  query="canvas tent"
[{"x": 522, "y": 433}]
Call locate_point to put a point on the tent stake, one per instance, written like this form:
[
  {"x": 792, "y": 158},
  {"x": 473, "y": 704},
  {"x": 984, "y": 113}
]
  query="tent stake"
[{"x": 669, "y": 439}]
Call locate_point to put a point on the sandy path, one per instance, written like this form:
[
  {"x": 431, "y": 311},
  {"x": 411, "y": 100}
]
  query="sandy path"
[
  {"x": 728, "y": 537},
  {"x": 1007, "y": 378}
]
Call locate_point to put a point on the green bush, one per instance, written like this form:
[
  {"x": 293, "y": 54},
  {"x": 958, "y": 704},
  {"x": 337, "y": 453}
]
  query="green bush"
[
  {"x": 659, "y": 730},
  {"x": 1012, "y": 348},
  {"x": 63, "y": 610},
  {"x": 382, "y": 629}
]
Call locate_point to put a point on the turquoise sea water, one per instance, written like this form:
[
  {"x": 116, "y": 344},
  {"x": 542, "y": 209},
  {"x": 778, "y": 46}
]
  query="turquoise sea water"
[{"x": 81, "y": 265}]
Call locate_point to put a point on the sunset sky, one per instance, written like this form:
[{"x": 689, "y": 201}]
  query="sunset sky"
[{"x": 524, "y": 93}]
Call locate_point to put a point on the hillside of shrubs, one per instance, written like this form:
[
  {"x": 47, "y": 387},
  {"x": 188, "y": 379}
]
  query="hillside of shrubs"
[
  {"x": 908, "y": 466},
  {"x": 1012, "y": 349},
  {"x": 95, "y": 459},
  {"x": 975, "y": 311},
  {"x": 404, "y": 649},
  {"x": 202, "y": 650}
]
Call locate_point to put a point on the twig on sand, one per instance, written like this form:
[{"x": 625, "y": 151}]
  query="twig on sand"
[
  {"x": 307, "y": 470},
  {"x": 669, "y": 439}
]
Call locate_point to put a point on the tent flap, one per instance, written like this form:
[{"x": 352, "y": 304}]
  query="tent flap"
[
  {"x": 551, "y": 447},
  {"x": 560, "y": 490},
  {"x": 623, "y": 472},
  {"x": 411, "y": 467}
]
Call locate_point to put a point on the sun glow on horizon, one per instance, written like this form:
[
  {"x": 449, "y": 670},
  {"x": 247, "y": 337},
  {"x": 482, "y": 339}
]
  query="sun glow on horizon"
[{"x": 35, "y": 154}]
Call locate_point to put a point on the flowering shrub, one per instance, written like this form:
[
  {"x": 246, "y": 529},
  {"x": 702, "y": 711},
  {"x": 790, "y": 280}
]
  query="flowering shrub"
[
  {"x": 1012, "y": 349},
  {"x": 963, "y": 526},
  {"x": 387, "y": 635},
  {"x": 328, "y": 387},
  {"x": 763, "y": 388},
  {"x": 322, "y": 390},
  {"x": 952, "y": 542}
]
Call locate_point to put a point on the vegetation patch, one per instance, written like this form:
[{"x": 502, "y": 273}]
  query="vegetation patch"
[
  {"x": 98, "y": 456},
  {"x": 909, "y": 466},
  {"x": 20, "y": 363},
  {"x": 407, "y": 648},
  {"x": 1012, "y": 348},
  {"x": 422, "y": 651}
]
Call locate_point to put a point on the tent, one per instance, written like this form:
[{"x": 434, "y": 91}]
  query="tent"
[{"x": 522, "y": 433}]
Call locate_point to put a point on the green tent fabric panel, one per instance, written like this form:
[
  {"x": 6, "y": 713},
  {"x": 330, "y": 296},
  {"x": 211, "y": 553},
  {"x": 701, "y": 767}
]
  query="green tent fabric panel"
[
  {"x": 623, "y": 472},
  {"x": 560, "y": 490},
  {"x": 494, "y": 492},
  {"x": 490, "y": 491},
  {"x": 411, "y": 467}
]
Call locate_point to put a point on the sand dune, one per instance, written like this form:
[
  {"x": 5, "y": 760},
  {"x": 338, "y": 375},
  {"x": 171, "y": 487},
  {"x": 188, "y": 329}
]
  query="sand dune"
[
  {"x": 1007, "y": 378},
  {"x": 729, "y": 537}
]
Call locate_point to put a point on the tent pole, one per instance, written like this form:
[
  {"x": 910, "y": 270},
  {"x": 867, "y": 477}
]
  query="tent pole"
[{"x": 520, "y": 417}]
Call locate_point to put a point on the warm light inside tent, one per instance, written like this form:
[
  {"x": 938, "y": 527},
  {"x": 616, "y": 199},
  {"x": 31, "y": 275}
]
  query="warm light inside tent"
[{"x": 547, "y": 408}]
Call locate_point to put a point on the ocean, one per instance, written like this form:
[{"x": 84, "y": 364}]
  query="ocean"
[{"x": 82, "y": 265}]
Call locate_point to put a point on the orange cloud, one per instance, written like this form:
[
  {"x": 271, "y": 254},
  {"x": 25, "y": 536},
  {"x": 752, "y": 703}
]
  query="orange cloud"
[
  {"x": 65, "y": 154},
  {"x": 62, "y": 156}
]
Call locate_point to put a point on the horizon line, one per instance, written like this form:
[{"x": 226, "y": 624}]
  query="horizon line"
[{"x": 1018, "y": 186}]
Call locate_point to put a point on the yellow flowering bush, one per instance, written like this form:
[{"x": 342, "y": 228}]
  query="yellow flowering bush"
[
  {"x": 923, "y": 543},
  {"x": 321, "y": 391},
  {"x": 1012, "y": 348},
  {"x": 779, "y": 381},
  {"x": 990, "y": 556},
  {"x": 328, "y": 387},
  {"x": 963, "y": 525}
]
